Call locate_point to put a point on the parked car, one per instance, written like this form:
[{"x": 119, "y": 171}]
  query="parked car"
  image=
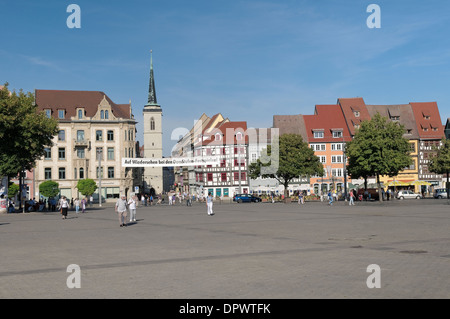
[
  {"x": 440, "y": 193},
  {"x": 246, "y": 198},
  {"x": 408, "y": 194}
]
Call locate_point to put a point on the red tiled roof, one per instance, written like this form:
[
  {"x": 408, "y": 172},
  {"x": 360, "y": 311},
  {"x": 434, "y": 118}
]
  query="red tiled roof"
[
  {"x": 70, "y": 100},
  {"x": 428, "y": 120},
  {"x": 225, "y": 128},
  {"x": 349, "y": 106},
  {"x": 326, "y": 118}
]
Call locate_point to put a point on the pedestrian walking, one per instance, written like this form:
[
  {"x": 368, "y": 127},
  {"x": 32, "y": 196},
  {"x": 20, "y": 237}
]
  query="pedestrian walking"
[
  {"x": 83, "y": 204},
  {"x": 330, "y": 198},
  {"x": 132, "y": 207},
  {"x": 352, "y": 198},
  {"x": 64, "y": 204},
  {"x": 76, "y": 202},
  {"x": 91, "y": 199},
  {"x": 121, "y": 209},
  {"x": 209, "y": 204}
]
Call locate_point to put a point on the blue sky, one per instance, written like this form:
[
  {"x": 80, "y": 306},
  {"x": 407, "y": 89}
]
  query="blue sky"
[{"x": 246, "y": 59}]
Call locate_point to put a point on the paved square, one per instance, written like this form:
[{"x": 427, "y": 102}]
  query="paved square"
[{"x": 258, "y": 250}]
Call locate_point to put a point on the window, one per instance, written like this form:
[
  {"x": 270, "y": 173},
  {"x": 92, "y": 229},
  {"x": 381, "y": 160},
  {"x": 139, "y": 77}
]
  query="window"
[
  {"x": 101, "y": 170},
  {"x": 98, "y": 135},
  {"x": 110, "y": 153},
  {"x": 61, "y": 114},
  {"x": 110, "y": 136},
  {"x": 253, "y": 157},
  {"x": 239, "y": 136},
  {"x": 48, "y": 153},
  {"x": 62, "y": 173},
  {"x": 75, "y": 173},
  {"x": 80, "y": 135},
  {"x": 356, "y": 113},
  {"x": 210, "y": 177},
  {"x": 152, "y": 124},
  {"x": 81, "y": 172},
  {"x": 102, "y": 114},
  {"x": 336, "y": 146},
  {"x": 106, "y": 115},
  {"x": 218, "y": 137},
  {"x": 61, "y": 135},
  {"x": 395, "y": 118},
  {"x": 236, "y": 176},
  {"x": 62, "y": 153},
  {"x": 48, "y": 113},
  {"x": 318, "y": 147},
  {"x": 48, "y": 173},
  {"x": 337, "y": 134},
  {"x": 323, "y": 159},
  {"x": 80, "y": 153},
  {"x": 224, "y": 177},
  {"x": 336, "y": 159},
  {"x": 80, "y": 114},
  {"x": 318, "y": 134},
  {"x": 110, "y": 172}
]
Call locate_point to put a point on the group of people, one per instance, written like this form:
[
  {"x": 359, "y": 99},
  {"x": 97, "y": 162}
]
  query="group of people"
[{"x": 63, "y": 205}]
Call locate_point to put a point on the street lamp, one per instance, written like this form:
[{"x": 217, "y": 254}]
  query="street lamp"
[{"x": 99, "y": 156}]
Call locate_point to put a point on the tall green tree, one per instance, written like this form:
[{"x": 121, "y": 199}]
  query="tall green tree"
[
  {"x": 378, "y": 148},
  {"x": 24, "y": 132},
  {"x": 440, "y": 163},
  {"x": 49, "y": 188},
  {"x": 87, "y": 186},
  {"x": 287, "y": 158}
]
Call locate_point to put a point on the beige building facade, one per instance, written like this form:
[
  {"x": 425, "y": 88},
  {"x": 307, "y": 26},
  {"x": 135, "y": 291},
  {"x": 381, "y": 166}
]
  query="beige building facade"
[{"x": 94, "y": 135}]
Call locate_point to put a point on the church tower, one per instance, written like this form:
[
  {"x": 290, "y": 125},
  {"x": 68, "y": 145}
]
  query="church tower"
[{"x": 153, "y": 176}]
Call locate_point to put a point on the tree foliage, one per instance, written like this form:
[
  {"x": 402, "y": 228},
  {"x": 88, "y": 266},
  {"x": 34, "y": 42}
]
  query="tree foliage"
[
  {"x": 378, "y": 148},
  {"x": 13, "y": 189},
  {"x": 24, "y": 132},
  {"x": 87, "y": 186},
  {"x": 288, "y": 158},
  {"x": 49, "y": 188}
]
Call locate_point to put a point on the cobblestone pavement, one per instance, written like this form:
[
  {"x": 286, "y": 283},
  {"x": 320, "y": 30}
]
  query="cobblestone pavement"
[{"x": 258, "y": 250}]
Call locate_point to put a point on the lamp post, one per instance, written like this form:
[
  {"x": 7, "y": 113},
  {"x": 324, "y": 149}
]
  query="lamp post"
[
  {"x": 99, "y": 156},
  {"x": 345, "y": 168}
]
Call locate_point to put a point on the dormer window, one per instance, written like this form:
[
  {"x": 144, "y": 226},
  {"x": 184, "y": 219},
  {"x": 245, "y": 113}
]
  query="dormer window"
[
  {"x": 48, "y": 113},
  {"x": 356, "y": 113},
  {"x": 239, "y": 136},
  {"x": 395, "y": 118},
  {"x": 318, "y": 134},
  {"x": 61, "y": 114},
  {"x": 218, "y": 137},
  {"x": 80, "y": 114},
  {"x": 337, "y": 134}
]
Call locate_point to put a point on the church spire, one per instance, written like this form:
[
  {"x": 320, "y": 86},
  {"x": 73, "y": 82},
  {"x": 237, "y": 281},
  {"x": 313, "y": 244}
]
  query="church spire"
[{"x": 151, "y": 88}]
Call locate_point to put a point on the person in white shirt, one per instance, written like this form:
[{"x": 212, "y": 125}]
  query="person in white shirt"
[
  {"x": 64, "y": 207},
  {"x": 132, "y": 207}
]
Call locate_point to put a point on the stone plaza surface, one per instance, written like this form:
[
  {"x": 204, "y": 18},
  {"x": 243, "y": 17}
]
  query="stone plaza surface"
[{"x": 244, "y": 251}]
